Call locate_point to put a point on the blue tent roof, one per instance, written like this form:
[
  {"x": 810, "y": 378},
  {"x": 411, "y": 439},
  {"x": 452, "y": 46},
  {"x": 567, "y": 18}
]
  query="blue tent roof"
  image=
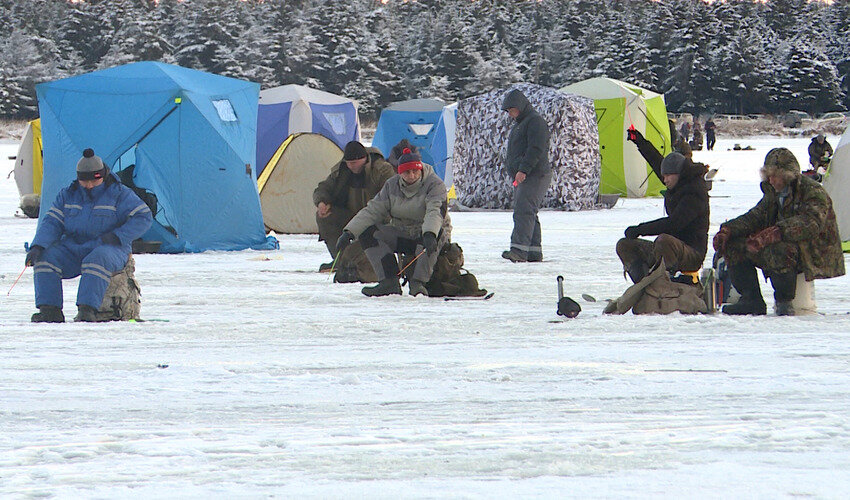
[
  {"x": 191, "y": 135},
  {"x": 406, "y": 122}
]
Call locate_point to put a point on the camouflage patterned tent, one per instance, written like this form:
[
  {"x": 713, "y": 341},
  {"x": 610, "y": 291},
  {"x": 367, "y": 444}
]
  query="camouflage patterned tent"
[{"x": 480, "y": 176}]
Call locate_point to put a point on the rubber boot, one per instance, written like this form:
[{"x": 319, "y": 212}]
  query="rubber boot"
[
  {"x": 745, "y": 280},
  {"x": 387, "y": 286},
  {"x": 86, "y": 314},
  {"x": 637, "y": 270},
  {"x": 48, "y": 314},
  {"x": 784, "y": 291},
  {"x": 417, "y": 287}
]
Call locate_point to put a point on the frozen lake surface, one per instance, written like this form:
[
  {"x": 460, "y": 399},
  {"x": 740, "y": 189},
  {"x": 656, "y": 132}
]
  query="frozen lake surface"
[{"x": 280, "y": 382}]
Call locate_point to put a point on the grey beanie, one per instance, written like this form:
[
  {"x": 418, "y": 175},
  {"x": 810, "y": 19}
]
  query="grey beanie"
[
  {"x": 673, "y": 164},
  {"x": 90, "y": 166}
]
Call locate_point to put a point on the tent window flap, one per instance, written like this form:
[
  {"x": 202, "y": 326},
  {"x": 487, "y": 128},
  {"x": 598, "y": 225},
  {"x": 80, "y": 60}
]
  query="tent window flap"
[{"x": 225, "y": 110}]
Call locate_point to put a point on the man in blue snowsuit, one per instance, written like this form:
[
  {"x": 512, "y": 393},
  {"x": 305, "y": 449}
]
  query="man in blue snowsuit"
[{"x": 87, "y": 232}]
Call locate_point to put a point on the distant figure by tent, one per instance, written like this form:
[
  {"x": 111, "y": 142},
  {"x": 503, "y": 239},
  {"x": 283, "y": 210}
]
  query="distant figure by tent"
[
  {"x": 292, "y": 109},
  {"x": 190, "y": 134},
  {"x": 29, "y": 166},
  {"x": 620, "y": 105},
  {"x": 482, "y": 135},
  {"x": 414, "y": 120}
]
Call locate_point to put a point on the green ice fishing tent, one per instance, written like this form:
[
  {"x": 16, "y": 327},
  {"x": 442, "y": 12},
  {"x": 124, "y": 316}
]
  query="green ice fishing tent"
[{"x": 619, "y": 105}]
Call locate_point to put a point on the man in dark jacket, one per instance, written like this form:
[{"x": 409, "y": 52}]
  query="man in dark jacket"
[
  {"x": 87, "y": 232},
  {"x": 819, "y": 152},
  {"x": 683, "y": 234},
  {"x": 528, "y": 165},
  {"x": 351, "y": 184},
  {"x": 791, "y": 230},
  {"x": 710, "y": 138}
]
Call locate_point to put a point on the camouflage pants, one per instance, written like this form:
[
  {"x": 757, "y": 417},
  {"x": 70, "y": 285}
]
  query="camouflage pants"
[
  {"x": 677, "y": 255},
  {"x": 778, "y": 258}
]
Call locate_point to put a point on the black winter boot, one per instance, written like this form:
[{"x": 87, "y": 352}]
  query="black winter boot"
[
  {"x": 784, "y": 291},
  {"x": 86, "y": 314},
  {"x": 417, "y": 287},
  {"x": 745, "y": 280},
  {"x": 48, "y": 314},
  {"x": 637, "y": 270},
  {"x": 387, "y": 286}
]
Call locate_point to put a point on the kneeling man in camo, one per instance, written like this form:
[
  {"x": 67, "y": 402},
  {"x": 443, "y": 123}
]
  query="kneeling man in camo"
[
  {"x": 87, "y": 232},
  {"x": 791, "y": 230},
  {"x": 414, "y": 201}
]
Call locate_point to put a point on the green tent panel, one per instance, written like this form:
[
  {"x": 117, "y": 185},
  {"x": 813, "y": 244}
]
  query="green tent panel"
[{"x": 618, "y": 106}]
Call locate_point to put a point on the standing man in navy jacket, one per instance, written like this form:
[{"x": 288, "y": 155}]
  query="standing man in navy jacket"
[{"x": 87, "y": 232}]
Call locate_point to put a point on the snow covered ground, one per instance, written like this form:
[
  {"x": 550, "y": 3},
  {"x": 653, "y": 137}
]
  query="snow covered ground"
[{"x": 282, "y": 383}]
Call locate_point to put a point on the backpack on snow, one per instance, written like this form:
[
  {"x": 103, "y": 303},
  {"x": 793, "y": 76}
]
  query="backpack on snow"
[
  {"x": 657, "y": 294},
  {"x": 447, "y": 280},
  {"x": 122, "y": 300}
]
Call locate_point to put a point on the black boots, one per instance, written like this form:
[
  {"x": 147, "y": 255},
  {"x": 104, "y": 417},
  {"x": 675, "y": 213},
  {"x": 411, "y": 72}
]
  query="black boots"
[
  {"x": 637, "y": 270},
  {"x": 744, "y": 280},
  {"x": 86, "y": 314},
  {"x": 48, "y": 314},
  {"x": 514, "y": 255},
  {"x": 784, "y": 291},
  {"x": 387, "y": 286}
]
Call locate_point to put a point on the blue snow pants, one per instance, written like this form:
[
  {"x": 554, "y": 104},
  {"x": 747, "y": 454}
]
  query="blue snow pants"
[{"x": 95, "y": 262}]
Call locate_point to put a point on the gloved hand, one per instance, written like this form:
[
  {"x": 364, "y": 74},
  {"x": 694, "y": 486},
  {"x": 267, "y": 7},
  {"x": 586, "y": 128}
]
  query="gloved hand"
[
  {"x": 429, "y": 241},
  {"x": 632, "y": 232},
  {"x": 763, "y": 238},
  {"x": 110, "y": 239},
  {"x": 344, "y": 240},
  {"x": 720, "y": 240},
  {"x": 33, "y": 255},
  {"x": 632, "y": 135}
]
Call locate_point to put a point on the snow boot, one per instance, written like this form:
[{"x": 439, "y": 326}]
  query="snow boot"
[
  {"x": 86, "y": 314},
  {"x": 417, "y": 288},
  {"x": 326, "y": 267},
  {"x": 744, "y": 280},
  {"x": 48, "y": 314},
  {"x": 637, "y": 270},
  {"x": 535, "y": 257},
  {"x": 514, "y": 255},
  {"x": 387, "y": 286},
  {"x": 784, "y": 291}
]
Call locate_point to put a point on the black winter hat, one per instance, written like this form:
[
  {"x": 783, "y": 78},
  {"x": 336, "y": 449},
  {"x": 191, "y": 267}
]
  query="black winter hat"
[
  {"x": 90, "y": 166},
  {"x": 354, "y": 151}
]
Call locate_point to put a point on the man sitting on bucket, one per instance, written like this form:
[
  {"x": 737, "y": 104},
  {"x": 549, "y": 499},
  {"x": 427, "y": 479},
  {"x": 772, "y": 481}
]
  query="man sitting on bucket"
[
  {"x": 791, "y": 230},
  {"x": 87, "y": 232},
  {"x": 683, "y": 234},
  {"x": 415, "y": 203}
]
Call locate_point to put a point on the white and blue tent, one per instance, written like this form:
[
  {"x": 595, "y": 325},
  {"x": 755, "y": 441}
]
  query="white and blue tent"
[
  {"x": 414, "y": 120},
  {"x": 191, "y": 136},
  {"x": 443, "y": 143},
  {"x": 292, "y": 109}
]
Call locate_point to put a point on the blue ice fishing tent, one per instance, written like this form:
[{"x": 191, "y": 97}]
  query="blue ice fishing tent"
[
  {"x": 414, "y": 120},
  {"x": 293, "y": 109},
  {"x": 443, "y": 143},
  {"x": 191, "y": 136}
]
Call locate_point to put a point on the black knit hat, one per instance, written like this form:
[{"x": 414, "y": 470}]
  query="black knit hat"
[
  {"x": 354, "y": 151},
  {"x": 90, "y": 167},
  {"x": 673, "y": 164}
]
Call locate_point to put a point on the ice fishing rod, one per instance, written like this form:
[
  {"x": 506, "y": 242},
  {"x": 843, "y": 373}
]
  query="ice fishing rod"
[
  {"x": 333, "y": 266},
  {"x": 16, "y": 281},
  {"x": 411, "y": 262}
]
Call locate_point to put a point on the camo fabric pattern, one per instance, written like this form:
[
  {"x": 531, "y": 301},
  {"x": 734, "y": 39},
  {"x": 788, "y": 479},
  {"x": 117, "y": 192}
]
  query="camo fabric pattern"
[
  {"x": 480, "y": 175},
  {"x": 806, "y": 222}
]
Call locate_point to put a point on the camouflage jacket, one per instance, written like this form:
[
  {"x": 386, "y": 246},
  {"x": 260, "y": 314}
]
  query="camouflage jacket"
[{"x": 806, "y": 218}]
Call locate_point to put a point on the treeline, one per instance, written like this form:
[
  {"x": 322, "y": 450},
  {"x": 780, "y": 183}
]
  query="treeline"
[{"x": 734, "y": 56}]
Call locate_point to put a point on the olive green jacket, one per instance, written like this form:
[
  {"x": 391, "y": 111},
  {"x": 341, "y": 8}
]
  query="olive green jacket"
[{"x": 806, "y": 218}]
